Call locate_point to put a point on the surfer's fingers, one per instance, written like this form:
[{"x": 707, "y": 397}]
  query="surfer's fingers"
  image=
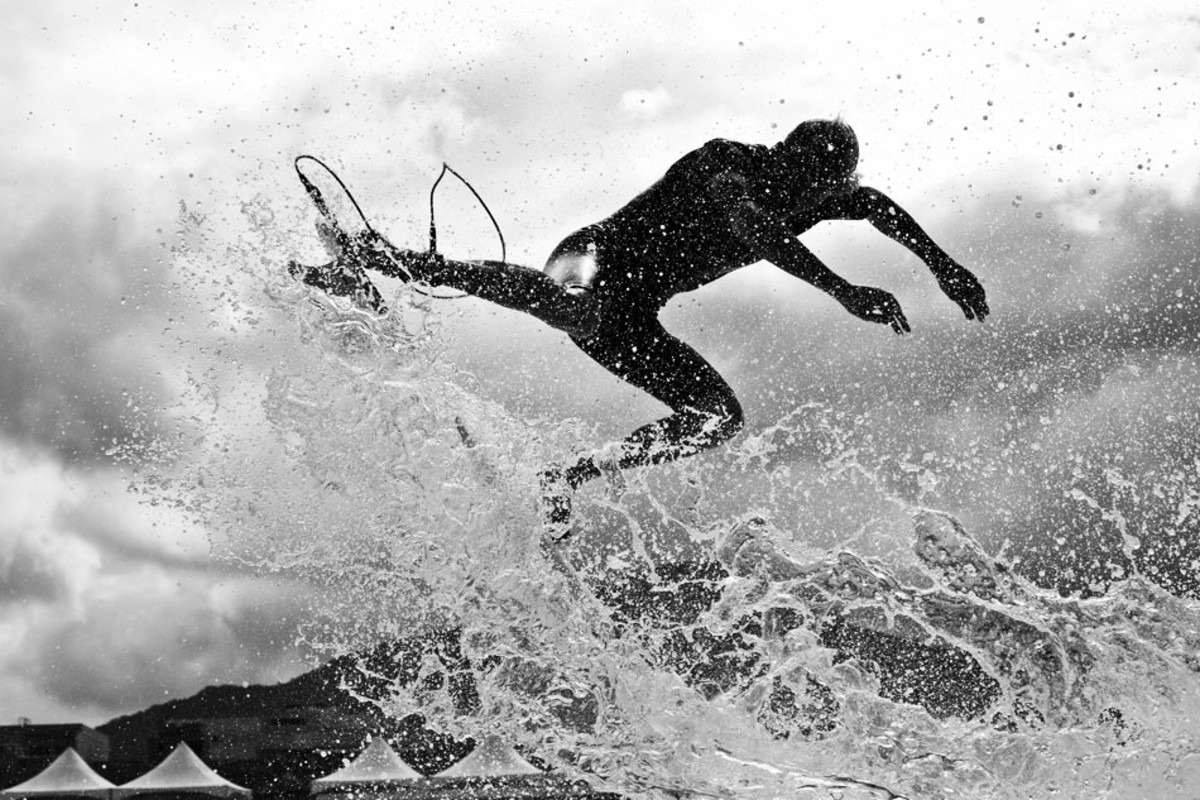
[
  {"x": 981, "y": 309},
  {"x": 975, "y": 308},
  {"x": 899, "y": 321}
]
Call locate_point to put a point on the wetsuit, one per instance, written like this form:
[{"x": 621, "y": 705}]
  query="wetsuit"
[{"x": 721, "y": 207}]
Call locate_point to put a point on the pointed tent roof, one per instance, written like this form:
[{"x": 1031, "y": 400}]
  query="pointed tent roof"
[
  {"x": 182, "y": 771},
  {"x": 492, "y": 758},
  {"x": 67, "y": 774},
  {"x": 378, "y": 763}
]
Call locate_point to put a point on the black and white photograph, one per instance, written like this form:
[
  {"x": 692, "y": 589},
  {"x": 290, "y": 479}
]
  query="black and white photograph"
[{"x": 600, "y": 400}]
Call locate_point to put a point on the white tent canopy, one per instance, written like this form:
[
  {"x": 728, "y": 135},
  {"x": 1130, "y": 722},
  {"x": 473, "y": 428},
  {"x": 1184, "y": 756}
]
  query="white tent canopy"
[
  {"x": 182, "y": 772},
  {"x": 379, "y": 763},
  {"x": 68, "y": 774},
  {"x": 491, "y": 758}
]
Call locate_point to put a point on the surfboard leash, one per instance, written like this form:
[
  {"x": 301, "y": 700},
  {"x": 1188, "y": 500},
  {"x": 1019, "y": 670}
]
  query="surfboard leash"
[
  {"x": 433, "y": 227},
  {"x": 323, "y": 209}
]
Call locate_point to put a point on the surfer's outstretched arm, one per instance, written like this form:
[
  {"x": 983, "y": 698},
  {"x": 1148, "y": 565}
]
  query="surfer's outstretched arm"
[
  {"x": 890, "y": 219},
  {"x": 772, "y": 239}
]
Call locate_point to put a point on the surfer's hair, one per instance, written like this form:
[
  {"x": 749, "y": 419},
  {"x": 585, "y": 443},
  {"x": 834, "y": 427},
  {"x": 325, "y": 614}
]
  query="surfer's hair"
[{"x": 830, "y": 142}]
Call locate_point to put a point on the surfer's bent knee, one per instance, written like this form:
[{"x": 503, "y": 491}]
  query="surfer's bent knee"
[{"x": 574, "y": 265}]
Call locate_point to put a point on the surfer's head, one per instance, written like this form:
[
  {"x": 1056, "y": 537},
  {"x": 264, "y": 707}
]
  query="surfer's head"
[{"x": 823, "y": 153}]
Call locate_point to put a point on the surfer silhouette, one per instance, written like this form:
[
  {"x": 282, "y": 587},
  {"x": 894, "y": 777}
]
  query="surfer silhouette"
[{"x": 719, "y": 208}]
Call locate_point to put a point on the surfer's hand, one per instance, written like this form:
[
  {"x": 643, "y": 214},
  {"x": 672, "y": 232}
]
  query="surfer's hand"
[
  {"x": 875, "y": 305},
  {"x": 962, "y": 287}
]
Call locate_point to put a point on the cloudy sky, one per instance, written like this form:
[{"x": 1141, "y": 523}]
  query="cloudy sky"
[{"x": 1053, "y": 152}]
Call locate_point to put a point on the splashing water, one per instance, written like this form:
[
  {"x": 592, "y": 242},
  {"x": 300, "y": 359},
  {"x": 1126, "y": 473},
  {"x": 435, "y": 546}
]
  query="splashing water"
[{"x": 782, "y": 618}]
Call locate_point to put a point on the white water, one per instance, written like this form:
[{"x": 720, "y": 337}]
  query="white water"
[{"x": 409, "y": 503}]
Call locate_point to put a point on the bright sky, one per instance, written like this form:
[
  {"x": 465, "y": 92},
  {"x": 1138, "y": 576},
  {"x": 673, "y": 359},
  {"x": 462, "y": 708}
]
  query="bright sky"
[{"x": 1054, "y": 123}]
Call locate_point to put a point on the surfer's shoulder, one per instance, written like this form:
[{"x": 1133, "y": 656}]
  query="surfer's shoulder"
[
  {"x": 717, "y": 161},
  {"x": 728, "y": 154}
]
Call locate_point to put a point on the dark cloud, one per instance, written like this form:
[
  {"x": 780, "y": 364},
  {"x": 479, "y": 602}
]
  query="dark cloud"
[
  {"x": 128, "y": 542},
  {"x": 154, "y": 642},
  {"x": 80, "y": 302},
  {"x": 27, "y": 573}
]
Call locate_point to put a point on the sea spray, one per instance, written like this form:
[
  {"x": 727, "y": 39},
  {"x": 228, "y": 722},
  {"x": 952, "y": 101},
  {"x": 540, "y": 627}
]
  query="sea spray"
[{"x": 791, "y": 614}]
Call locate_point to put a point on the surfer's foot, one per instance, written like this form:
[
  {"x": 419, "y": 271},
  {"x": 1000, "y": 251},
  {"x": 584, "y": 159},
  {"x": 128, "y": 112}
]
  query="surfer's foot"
[
  {"x": 555, "y": 505},
  {"x": 342, "y": 280},
  {"x": 346, "y": 274},
  {"x": 369, "y": 250}
]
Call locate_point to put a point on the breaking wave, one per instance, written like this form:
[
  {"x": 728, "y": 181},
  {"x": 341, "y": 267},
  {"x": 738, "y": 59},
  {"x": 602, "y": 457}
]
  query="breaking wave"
[{"x": 709, "y": 629}]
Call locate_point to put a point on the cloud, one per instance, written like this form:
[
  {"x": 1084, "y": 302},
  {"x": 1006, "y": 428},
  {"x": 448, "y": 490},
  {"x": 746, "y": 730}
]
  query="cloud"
[
  {"x": 108, "y": 342},
  {"x": 150, "y": 637},
  {"x": 39, "y": 565},
  {"x": 107, "y": 606},
  {"x": 646, "y": 103},
  {"x": 80, "y": 299},
  {"x": 28, "y": 574}
]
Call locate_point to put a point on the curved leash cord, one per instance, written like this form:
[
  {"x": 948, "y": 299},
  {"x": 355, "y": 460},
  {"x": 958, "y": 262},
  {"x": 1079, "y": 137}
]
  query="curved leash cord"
[
  {"x": 319, "y": 201},
  {"x": 433, "y": 228},
  {"x": 433, "y": 225},
  {"x": 323, "y": 209}
]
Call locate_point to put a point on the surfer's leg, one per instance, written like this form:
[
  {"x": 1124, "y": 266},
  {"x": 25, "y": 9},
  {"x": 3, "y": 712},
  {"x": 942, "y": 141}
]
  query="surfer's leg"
[
  {"x": 572, "y": 309},
  {"x": 562, "y": 296},
  {"x": 567, "y": 308},
  {"x": 705, "y": 411}
]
